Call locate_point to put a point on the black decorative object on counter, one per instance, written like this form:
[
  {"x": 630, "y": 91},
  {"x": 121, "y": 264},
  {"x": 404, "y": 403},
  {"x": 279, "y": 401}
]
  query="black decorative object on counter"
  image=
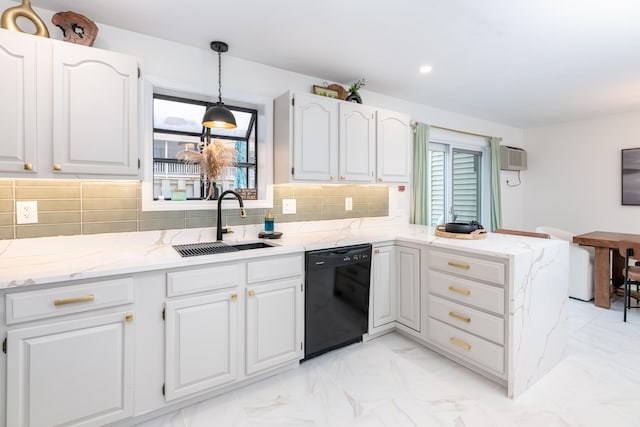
[{"x": 463, "y": 227}]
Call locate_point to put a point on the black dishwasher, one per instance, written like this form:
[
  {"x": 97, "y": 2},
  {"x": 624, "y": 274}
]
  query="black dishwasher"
[{"x": 336, "y": 297}]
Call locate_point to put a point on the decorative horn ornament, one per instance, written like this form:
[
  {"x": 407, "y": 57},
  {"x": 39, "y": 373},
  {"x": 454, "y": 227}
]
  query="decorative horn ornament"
[{"x": 11, "y": 15}]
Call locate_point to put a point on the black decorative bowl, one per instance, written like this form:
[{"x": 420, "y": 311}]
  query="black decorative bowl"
[{"x": 462, "y": 227}]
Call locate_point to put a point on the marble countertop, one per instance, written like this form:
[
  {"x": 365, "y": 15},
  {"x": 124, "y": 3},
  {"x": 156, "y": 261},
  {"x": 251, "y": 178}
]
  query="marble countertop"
[{"x": 25, "y": 262}]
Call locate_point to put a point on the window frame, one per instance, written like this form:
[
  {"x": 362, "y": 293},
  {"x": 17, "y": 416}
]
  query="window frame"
[
  {"x": 264, "y": 145},
  {"x": 447, "y": 141},
  {"x": 210, "y": 133}
]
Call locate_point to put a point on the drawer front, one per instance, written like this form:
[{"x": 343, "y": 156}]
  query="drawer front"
[
  {"x": 476, "y": 350},
  {"x": 202, "y": 279},
  {"x": 45, "y": 303},
  {"x": 474, "y": 321},
  {"x": 487, "y": 297},
  {"x": 274, "y": 268},
  {"x": 473, "y": 268}
]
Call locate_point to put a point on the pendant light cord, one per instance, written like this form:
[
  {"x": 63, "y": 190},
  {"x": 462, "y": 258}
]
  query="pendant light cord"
[{"x": 220, "y": 77}]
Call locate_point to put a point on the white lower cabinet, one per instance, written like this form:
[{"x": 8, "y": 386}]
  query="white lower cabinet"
[
  {"x": 466, "y": 306},
  {"x": 72, "y": 373},
  {"x": 274, "y": 324},
  {"x": 395, "y": 287},
  {"x": 408, "y": 285},
  {"x": 383, "y": 298},
  {"x": 201, "y": 343}
]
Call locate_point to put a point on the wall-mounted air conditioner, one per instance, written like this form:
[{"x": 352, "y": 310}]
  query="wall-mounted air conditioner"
[{"x": 512, "y": 158}]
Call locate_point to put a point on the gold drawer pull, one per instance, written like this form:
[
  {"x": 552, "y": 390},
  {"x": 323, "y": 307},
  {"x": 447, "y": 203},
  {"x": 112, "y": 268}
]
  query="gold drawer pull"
[
  {"x": 465, "y": 292},
  {"x": 459, "y": 317},
  {"x": 460, "y": 344},
  {"x": 252, "y": 293},
  {"x": 85, "y": 298},
  {"x": 28, "y": 167},
  {"x": 459, "y": 265},
  {"x": 57, "y": 167},
  {"x": 128, "y": 317},
  {"x": 234, "y": 297}
]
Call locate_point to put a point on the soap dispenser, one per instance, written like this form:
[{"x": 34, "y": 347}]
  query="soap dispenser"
[{"x": 268, "y": 223}]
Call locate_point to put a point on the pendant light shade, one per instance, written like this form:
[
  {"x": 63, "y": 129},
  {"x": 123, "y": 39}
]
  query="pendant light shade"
[{"x": 219, "y": 116}]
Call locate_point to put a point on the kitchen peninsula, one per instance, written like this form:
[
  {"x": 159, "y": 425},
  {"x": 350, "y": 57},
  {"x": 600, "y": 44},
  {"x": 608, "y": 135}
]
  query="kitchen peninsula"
[{"x": 140, "y": 294}]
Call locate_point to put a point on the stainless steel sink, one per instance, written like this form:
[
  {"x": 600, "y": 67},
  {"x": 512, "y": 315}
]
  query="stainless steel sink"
[{"x": 210, "y": 248}]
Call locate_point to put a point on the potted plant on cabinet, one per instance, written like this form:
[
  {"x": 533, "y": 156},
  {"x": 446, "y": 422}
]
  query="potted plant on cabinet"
[{"x": 354, "y": 96}]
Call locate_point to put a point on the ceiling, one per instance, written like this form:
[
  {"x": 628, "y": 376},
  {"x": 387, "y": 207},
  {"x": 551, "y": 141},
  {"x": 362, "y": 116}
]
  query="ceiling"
[{"x": 517, "y": 62}]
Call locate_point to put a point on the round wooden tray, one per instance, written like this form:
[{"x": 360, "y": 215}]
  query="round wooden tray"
[{"x": 474, "y": 235}]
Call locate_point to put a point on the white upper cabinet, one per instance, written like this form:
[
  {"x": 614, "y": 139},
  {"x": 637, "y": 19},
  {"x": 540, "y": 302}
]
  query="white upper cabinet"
[
  {"x": 325, "y": 140},
  {"x": 357, "y": 142},
  {"x": 67, "y": 109},
  {"x": 18, "y": 151},
  {"x": 315, "y": 138},
  {"x": 394, "y": 147},
  {"x": 95, "y": 107}
]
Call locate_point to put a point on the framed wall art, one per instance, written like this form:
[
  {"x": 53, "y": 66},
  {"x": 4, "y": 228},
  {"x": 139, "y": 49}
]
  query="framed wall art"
[{"x": 631, "y": 176}]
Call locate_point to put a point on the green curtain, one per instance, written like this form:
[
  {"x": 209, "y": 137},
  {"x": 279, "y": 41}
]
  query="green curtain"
[
  {"x": 496, "y": 203},
  {"x": 420, "y": 195}
]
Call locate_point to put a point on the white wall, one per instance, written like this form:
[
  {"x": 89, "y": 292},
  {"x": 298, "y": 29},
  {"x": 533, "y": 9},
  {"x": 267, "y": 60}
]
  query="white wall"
[
  {"x": 574, "y": 180},
  {"x": 196, "y": 68}
]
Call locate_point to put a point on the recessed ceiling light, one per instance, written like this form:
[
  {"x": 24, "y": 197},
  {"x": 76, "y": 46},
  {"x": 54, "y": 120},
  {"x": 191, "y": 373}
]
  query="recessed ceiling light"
[{"x": 425, "y": 69}]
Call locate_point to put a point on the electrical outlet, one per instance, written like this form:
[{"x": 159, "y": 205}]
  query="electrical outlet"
[
  {"x": 348, "y": 204},
  {"x": 27, "y": 212},
  {"x": 288, "y": 206}
]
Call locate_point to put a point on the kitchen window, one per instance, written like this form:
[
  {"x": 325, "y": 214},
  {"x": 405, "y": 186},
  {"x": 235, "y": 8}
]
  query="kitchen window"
[
  {"x": 459, "y": 178},
  {"x": 178, "y": 135},
  {"x": 172, "y": 116}
]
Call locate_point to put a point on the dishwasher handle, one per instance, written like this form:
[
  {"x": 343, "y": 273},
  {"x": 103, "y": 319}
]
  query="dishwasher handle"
[{"x": 338, "y": 256}]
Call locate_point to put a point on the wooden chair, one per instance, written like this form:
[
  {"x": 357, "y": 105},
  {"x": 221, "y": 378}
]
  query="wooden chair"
[
  {"x": 631, "y": 251},
  {"x": 522, "y": 233}
]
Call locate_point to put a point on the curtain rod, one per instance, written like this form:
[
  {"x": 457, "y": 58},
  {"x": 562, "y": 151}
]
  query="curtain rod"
[
  {"x": 456, "y": 130},
  {"x": 462, "y": 131}
]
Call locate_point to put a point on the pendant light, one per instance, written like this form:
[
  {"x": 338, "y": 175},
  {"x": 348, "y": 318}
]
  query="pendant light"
[{"x": 219, "y": 116}]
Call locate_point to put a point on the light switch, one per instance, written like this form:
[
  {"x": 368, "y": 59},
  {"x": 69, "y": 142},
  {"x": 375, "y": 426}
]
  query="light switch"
[{"x": 288, "y": 206}]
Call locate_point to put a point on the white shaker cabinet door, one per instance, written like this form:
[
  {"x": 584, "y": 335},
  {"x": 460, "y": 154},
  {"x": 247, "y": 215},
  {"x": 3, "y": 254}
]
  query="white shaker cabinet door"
[
  {"x": 18, "y": 114},
  {"x": 383, "y": 286},
  {"x": 394, "y": 147},
  {"x": 357, "y": 142},
  {"x": 408, "y": 286},
  {"x": 315, "y": 138},
  {"x": 76, "y": 372},
  {"x": 95, "y": 109},
  {"x": 201, "y": 343},
  {"x": 274, "y": 324}
]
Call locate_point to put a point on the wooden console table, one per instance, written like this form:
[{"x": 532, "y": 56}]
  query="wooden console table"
[{"x": 606, "y": 246}]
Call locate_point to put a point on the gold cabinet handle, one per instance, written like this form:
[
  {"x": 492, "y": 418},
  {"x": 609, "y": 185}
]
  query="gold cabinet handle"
[
  {"x": 85, "y": 298},
  {"x": 465, "y": 292},
  {"x": 379, "y": 179},
  {"x": 376, "y": 251},
  {"x": 459, "y": 265},
  {"x": 28, "y": 167},
  {"x": 342, "y": 177},
  {"x": 331, "y": 177},
  {"x": 252, "y": 293},
  {"x": 234, "y": 297},
  {"x": 460, "y": 344},
  {"x": 128, "y": 317},
  {"x": 459, "y": 317},
  {"x": 57, "y": 167}
]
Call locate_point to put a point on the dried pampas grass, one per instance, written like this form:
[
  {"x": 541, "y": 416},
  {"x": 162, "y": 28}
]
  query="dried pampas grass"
[{"x": 214, "y": 158}]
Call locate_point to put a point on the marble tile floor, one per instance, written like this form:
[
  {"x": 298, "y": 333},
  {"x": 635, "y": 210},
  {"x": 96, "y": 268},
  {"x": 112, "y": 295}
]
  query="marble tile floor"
[{"x": 393, "y": 381}]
